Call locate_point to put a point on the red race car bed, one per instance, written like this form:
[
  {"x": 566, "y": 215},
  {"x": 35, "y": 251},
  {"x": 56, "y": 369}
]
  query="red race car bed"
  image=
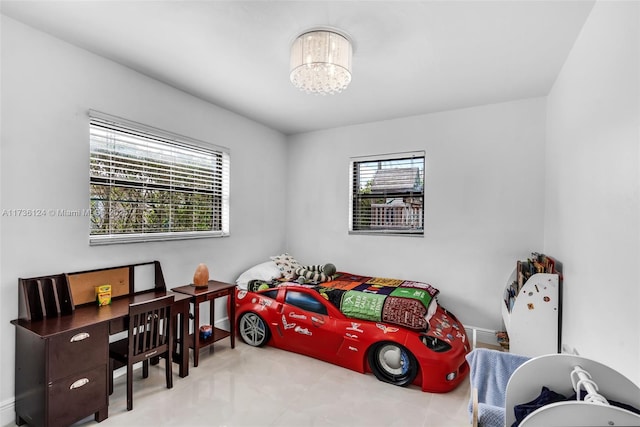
[{"x": 392, "y": 328}]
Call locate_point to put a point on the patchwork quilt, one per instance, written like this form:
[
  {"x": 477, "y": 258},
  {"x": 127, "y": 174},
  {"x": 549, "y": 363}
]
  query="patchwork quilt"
[{"x": 400, "y": 302}]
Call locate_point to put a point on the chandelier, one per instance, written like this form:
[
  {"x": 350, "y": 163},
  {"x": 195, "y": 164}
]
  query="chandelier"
[{"x": 321, "y": 62}]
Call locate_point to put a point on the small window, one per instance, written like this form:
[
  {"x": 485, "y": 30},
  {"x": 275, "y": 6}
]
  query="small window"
[
  {"x": 148, "y": 184},
  {"x": 305, "y": 302},
  {"x": 387, "y": 194}
]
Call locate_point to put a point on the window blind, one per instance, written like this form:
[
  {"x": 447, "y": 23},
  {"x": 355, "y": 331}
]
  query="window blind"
[
  {"x": 149, "y": 184},
  {"x": 387, "y": 194}
]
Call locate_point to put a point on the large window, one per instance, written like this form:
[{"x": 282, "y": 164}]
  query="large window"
[
  {"x": 147, "y": 184},
  {"x": 387, "y": 194}
]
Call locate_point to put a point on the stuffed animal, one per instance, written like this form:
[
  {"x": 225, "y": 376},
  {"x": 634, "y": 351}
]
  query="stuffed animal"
[{"x": 315, "y": 273}]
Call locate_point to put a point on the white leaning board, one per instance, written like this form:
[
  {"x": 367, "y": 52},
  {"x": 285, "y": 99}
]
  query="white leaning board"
[{"x": 532, "y": 324}]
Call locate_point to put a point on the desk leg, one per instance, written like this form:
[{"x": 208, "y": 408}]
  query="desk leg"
[
  {"x": 232, "y": 317},
  {"x": 196, "y": 332},
  {"x": 101, "y": 415},
  {"x": 183, "y": 361},
  {"x": 212, "y": 318}
]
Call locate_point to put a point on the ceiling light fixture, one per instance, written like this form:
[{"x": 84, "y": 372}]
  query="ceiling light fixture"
[{"x": 321, "y": 62}]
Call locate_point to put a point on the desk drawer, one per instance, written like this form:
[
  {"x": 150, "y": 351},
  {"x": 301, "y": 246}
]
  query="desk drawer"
[
  {"x": 78, "y": 396},
  {"x": 218, "y": 294},
  {"x": 77, "y": 351}
]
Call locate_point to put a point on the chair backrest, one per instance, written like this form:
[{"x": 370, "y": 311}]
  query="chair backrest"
[{"x": 150, "y": 328}]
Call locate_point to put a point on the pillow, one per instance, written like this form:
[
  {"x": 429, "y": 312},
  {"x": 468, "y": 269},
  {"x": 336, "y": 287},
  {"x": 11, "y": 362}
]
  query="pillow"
[
  {"x": 265, "y": 271},
  {"x": 287, "y": 265}
]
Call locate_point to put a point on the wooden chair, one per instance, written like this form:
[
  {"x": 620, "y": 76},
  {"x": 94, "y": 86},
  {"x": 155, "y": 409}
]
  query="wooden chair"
[{"x": 149, "y": 336}]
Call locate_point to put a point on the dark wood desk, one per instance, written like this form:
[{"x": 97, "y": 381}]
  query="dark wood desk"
[
  {"x": 209, "y": 294},
  {"x": 115, "y": 315},
  {"x": 61, "y": 362}
]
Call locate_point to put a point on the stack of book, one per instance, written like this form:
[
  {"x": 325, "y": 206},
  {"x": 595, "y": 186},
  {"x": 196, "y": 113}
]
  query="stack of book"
[{"x": 537, "y": 263}]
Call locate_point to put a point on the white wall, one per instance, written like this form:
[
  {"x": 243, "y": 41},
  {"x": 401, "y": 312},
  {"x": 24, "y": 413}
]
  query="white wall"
[
  {"x": 483, "y": 204},
  {"x": 593, "y": 181},
  {"x": 47, "y": 88},
  {"x": 485, "y": 186}
]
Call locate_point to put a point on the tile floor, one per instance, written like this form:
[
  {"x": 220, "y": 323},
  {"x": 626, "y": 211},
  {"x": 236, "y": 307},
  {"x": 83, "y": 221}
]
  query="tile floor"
[{"x": 250, "y": 386}]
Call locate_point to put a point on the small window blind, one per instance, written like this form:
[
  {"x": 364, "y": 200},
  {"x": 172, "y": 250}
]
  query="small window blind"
[
  {"x": 387, "y": 194},
  {"x": 148, "y": 184}
]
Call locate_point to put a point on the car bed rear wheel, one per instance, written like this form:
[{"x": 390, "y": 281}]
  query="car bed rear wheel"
[
  {"x": 392, "y": 363},
  {"x": 253, "y": 330}
]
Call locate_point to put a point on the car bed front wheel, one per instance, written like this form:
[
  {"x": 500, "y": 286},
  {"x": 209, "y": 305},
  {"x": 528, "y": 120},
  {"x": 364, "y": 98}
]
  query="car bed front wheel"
[
  {"x": 253, "y": 330},
  {"x": 392, "y": 363}
]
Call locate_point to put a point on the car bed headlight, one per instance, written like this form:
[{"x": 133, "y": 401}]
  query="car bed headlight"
[{"x": 435, "y": 344}]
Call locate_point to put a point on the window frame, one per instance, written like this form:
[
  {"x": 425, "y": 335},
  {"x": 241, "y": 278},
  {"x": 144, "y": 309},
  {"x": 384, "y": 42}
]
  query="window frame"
[
  {"x": 221, "y": 171},
  {"x": 354, "y": 195}
]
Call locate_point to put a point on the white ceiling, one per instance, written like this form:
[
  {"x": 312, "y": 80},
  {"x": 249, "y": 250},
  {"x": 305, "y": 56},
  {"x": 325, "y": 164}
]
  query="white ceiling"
[{"x": 411, "y": 57}]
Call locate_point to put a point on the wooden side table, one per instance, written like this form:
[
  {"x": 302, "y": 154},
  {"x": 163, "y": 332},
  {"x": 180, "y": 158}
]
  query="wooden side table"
[{"x": 209, "y": 294}]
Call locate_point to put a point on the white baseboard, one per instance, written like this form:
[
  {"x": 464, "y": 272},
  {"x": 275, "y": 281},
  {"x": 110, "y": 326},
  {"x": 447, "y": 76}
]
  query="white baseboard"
[{"x": 8, "y": 413}]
